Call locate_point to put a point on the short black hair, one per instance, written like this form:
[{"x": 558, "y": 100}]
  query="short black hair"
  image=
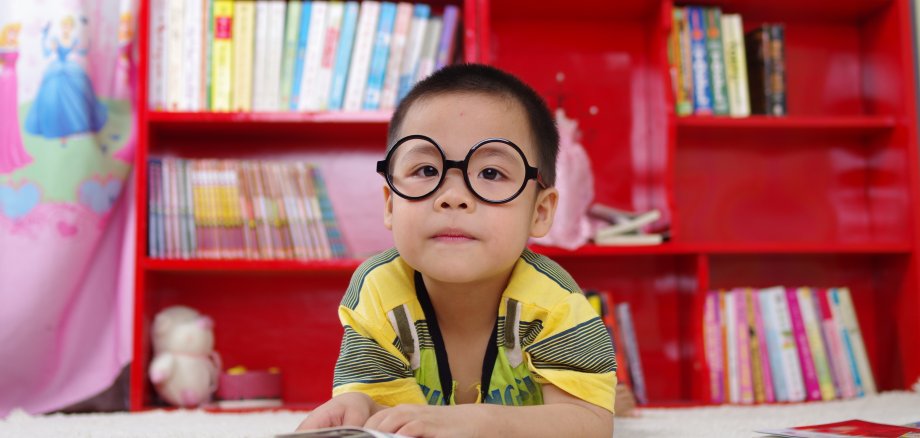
[{"x": 479, "y": 78}]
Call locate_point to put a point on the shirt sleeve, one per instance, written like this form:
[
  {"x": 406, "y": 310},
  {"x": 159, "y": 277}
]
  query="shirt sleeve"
[
  {"x": 369, "y": 360},
  {"x": 574, "y": 352}
]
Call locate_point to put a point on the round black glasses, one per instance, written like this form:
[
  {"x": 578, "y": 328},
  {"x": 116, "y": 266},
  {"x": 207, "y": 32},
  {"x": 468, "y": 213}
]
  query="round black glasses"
[{"x": 495, "y": 169}]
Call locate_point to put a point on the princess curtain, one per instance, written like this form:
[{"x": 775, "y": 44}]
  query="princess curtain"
[{"x": 67, "y": 82}]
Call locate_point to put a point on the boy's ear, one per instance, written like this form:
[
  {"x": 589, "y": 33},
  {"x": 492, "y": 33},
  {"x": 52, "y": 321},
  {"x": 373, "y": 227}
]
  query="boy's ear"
[
  {"x": 543, "y": 212},
  {"x": 387, "y": 207}
]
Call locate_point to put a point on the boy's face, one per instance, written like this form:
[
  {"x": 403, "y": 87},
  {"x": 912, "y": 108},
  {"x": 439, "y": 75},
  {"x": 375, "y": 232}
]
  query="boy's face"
[{"x": 452, "y": 236}]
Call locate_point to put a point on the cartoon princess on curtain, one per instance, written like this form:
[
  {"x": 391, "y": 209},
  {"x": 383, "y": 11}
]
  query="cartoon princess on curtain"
[
  {"x": 12, "y": 153},
  {"x": 66, "y": 103},
  {"x": 126, "y": 78}
]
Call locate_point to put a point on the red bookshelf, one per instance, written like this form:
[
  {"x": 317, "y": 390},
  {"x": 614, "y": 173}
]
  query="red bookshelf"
[{"x": 827, "y": 196}]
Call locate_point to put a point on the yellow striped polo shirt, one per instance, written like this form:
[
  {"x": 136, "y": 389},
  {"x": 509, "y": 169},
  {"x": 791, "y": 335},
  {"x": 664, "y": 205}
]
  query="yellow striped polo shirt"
[{"x": 546, "y": 333}]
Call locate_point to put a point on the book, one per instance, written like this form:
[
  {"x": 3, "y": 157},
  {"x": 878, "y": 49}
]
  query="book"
[
  {"x": 702, "y": 85},
  {"x": 743, "y": 338},
  {"x": 736, "y": 75},
  {"x": 340, "y": 432},
  {"x": 791, "y": 366},
  {"x": 289, "y": 51},
  {"x": 759, "y": 67},
  {"x": 627, "y": 223},
  {"x": 773, "y": 339},
  {"x": 716, "y": 55},
  {"x": 377, "y": 70},
  {"x": 854, "y": 428},
  {"x": 445, "y": 52},
  {"x": 776, "y": 100},
  {"x": 343, "y": 56},
  {"x": 629, "y": 239},
  {"x": 413, "y": 50},
  {"x": 301, "y": 53},
  {"x": 244, "y": 23},
  {"x": 276, "y": 18},
  {"x": 361, "y": 55},
  {"x": 316, "y": 41},
  {"x": 334, "y": 17},
  {"x": 809, "y": 374},
  {"x": 682, "y": 98},
  {"x": 627, "y": 329},
  {"x": 222, "y": 56},
  {"x": 843, "y": 299},
  {"x": 813, "y": 330},
  {"x": 712, "y": 338},
  {"x": 837, "y": 352},
  {"x": 396, "y": 52}
]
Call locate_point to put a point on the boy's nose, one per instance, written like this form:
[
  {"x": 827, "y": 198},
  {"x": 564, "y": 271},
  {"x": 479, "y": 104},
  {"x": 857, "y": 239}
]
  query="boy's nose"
[{"x": 453, "y": 192}]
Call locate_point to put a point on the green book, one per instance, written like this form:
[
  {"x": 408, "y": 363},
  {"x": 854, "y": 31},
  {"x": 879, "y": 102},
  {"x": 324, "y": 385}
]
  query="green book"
[
  {"x": 713, "y": 26},
  {"x": 289, "y": 55}
]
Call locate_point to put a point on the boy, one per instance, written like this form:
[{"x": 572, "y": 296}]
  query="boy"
[{"x": 460, "y": 313}]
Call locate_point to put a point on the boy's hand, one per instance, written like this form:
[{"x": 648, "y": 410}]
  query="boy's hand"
[
  {"x": 349, "y": 409},
  {"x": 429, "y": 421}
]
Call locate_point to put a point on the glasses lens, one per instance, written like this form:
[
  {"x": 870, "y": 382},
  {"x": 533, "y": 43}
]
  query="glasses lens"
[
  {"x": 496, "y": 171},
  {"x": 416, "y": 167}
]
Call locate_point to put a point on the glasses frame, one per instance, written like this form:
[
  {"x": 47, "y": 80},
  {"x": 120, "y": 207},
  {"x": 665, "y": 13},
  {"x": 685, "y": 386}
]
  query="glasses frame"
[{"x": 529, "y": 173}]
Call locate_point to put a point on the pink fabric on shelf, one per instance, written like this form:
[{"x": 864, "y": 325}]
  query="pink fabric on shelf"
[{"x": 575, "y": 182}]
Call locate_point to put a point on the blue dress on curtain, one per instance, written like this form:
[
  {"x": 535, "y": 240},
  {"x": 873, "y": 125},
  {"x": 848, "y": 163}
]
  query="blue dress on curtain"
[{"x": 66, "y": 103}]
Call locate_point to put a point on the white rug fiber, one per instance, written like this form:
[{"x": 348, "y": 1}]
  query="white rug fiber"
[{"x": 721, "y": 421}]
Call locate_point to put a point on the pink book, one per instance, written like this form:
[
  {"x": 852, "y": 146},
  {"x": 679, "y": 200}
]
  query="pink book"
[
  {"x": 713, "y": 338},
  {"x": 809, "y": 375},
  {"x": 745, "y": 381},
  {"x": 840, "y": 369},
  {"x": 766, "y": 371}
]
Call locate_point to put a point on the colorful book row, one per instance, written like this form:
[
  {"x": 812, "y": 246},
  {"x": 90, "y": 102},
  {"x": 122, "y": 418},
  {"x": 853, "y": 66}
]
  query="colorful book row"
[
  {"x": 784, "y": 345},
  {"x": 237, "y": 209},
  {"x": 295, "y": 55},
  {"x": 717, "y": 69}
]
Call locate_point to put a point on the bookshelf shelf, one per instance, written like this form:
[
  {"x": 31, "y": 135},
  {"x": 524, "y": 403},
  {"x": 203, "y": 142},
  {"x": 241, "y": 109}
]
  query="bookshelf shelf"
[
  {"x": 797, "y": 125},
  {"x": 331, "y": 267},
  {"x": 826, "y": 196}
]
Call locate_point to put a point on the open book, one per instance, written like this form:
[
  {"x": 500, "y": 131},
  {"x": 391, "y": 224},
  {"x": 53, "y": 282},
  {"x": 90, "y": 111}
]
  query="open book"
[
  {"x": 849, "y": 428},
  {"x": 340, "y": 432}
]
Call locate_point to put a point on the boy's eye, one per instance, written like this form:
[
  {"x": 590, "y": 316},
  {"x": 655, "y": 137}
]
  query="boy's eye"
[
  {"x": 427, "y": 171},
  {"x": 490, "y": 173}
]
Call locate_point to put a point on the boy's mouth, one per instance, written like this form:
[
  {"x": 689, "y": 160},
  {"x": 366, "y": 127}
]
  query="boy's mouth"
[{"x": 453, "y": 235}]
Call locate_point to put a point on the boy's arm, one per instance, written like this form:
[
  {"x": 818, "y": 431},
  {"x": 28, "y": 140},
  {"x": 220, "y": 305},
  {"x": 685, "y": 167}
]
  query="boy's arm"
[{"x": 561, "y": 415}]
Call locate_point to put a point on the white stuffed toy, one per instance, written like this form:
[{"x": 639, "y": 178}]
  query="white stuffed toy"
[{"x": 185, "y": 366}]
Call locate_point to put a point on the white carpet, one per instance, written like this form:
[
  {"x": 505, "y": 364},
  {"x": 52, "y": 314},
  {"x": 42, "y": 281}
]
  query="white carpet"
[{"x": 722, "y": 421}]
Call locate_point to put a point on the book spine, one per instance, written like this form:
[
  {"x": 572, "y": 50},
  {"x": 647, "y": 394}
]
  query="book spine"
[
  {"x": 198, "y": 207},
  {"x": 308, "y": 100},
  {"x": 762, "y": 345},
  {"x": 361, "y": 58},
  {"x": 816, "y": 343},
  {"x": 332, "y": 232},
  {"x": 397, "y": 50},
  {"x": 736, "y": 66},
  {"x": 175, "y": 79},
  {"x": 624, "y": 317},
  {"x": 713, "y": 342},
  {"x": 731, "y": 343},
  {"x": 260, "y": 56},
  {"x": 838, "y": 359},
  {"x": 222, "y": 60},
  {"x": 182, "y": 210},
  {"x": 445, "y": 52},
  {"x": 774, "y": 345},
  {"x": 153, "y": 181},
  {"x": 716, "y": 54},
  {"x": 686, "y": 64},
  {"x": 429, "y": 49},
  {"x": 702, "y": 88},
  {"x": 413, "y": 50},
  {"x": 792, "y": 367},
  {"x": 777, "y": 96},
  {"x": 812, "y": 389},
  {"x": 343, "y": 56},
  {"x": 380, "y": 53},
  {"x": 189, "y": 216},
  {"x": 156, "y": 86},
  {"x": 846, "y": 342},
  {"x": 848, "y": 312},
  {"x": 300, "y": 56},
  {"x": 682, "y": 104},
  {"x": 757, "y": 48},
  {"x": 754, "y": 349},
  {"x": 289, "y": 51},
  {"x": 743, "y": 339},
  {"x": 327, "y": 61},
  {"x": 192, "y": 45},
  {"x": 243, "y": 40},
  {"x": 276, "y": 17}
]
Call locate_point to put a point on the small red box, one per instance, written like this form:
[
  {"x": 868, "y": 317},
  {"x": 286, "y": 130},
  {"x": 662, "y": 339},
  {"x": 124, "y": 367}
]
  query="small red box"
[{"x": 259, "y": 384}]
